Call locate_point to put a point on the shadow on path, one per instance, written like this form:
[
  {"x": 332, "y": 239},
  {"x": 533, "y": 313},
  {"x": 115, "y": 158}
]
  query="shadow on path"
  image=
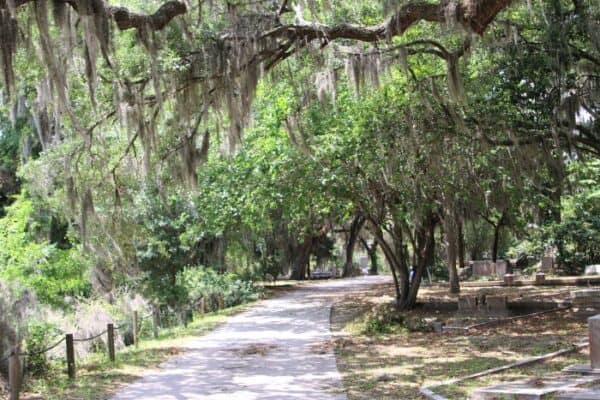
[{"x": 276, "y": 351}]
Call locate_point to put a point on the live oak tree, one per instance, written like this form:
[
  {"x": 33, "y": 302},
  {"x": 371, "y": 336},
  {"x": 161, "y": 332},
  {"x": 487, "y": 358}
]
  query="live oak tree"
[{"x": 124, "y": 95}]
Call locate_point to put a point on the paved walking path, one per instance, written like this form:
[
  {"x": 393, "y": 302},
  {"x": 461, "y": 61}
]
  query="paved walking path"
[{"x": 278, "y": 350}]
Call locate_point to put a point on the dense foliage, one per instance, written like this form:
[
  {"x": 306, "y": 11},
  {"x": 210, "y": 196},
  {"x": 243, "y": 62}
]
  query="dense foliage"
[{"x": 182, "y": 158}]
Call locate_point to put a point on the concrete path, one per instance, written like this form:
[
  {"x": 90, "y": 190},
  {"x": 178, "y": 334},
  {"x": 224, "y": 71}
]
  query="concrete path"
[{"x": 279, "y": 350}]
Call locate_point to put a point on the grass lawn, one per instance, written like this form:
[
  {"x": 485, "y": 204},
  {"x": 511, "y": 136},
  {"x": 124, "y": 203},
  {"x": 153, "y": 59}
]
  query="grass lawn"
[{"x": 395, "y": 364}]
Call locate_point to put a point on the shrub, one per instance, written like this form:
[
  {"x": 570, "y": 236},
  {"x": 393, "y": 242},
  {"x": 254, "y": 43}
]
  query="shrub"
[
  {"x": 382, "y": 319},
  {"x": 206, "y": 283},
  {"x": 386, "y": 319},
  {"x": 52, "y": 272},
  {"x": 40, "y": 335}
]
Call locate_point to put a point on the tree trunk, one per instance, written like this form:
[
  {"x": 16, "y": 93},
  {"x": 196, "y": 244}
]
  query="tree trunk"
[
  {"x": 461, "y": 243},
  {"x": 497, "y": 228},
  {"x": 372, "y": 252},
  {"x": 496, "y": 241},
  {"x": 425, "y": 253},
  {"x": 394, "y": 263},
  {"x": 402, "y": 266},
  {"x": 302, "y": 257},
  {"x": 450, "y": 230},
  {"x": 355, "y": 228}
]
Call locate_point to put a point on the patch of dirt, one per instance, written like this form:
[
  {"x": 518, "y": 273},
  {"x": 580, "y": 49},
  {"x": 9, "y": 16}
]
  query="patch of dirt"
[
  {"x": 417, "y": 359},
  {"x": 260, "y": 349},
  {"x": 322, "y": 348}
]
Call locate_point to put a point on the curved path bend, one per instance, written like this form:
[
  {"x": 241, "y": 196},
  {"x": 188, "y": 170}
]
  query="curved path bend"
[{"x": 278, "y": 350}]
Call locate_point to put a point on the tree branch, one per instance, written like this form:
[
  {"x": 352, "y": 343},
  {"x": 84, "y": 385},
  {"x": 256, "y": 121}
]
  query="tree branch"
[
  {"x": 476, "y": 17},
  {"x": 124, "y": 18}
]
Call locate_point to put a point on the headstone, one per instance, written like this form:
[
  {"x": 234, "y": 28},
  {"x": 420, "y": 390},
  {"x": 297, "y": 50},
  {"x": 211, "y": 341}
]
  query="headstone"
[
  {"x": 509, "y": 279},
  {"x": 594, "y": 333},
  {"x": 501, "y": 267},
  {"x": 496, "y": 304},
  {"x": 540, "y": 278},
  {"x": 483, "y": 268},
  {"x": 438, "y": 326},
  {"x": 592, "y": 269},
  {"x": 547, "y": 264},
  {"x": 467, "y": 303}
]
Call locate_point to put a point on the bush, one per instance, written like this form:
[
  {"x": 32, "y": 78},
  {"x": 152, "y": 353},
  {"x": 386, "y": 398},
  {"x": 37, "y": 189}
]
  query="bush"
[
  {"x": 386, "y": 319},
  {"x": 40, "y": 335},
  {"x": 206, "y": 283},
  {"x": 52, "y": 272}
]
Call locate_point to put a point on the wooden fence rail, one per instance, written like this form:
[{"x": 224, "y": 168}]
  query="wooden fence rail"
[{"x": 15, "y": 367}]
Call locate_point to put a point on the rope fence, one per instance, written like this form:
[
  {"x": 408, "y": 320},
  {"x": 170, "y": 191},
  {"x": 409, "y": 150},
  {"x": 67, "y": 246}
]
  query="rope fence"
[
  {"x": 91, "y": 338},
  {"x": 37, "y": 353},
  {"x": 14, "y": 357}
]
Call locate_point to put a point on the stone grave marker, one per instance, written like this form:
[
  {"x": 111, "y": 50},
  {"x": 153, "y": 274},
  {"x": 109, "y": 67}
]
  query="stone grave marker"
[
  {"x": 594, "y": 332},
  {"x": 483, "y": 268},
  {"x": 547, "y": 264},
  {"x": 502, "y": 267},
  {"x": 540, "y": 278},
  {"x": 592, "y": 269},
  {"x": 467, "y": 303},
  {"x": 509, "y": 279},
  {"x": 496, "y": 304},
  {"x": 594, "y": 366}
]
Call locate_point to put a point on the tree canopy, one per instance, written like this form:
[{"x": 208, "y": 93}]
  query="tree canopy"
[{"x": 251, "y": 135}]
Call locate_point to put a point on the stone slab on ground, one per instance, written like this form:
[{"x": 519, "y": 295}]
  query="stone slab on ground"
[
  {"x": 579, "y": 394},
  {"x": 581, "y": 369},
  {"x": 586, "y": 293},
  {"x": 534, "y": 389}
]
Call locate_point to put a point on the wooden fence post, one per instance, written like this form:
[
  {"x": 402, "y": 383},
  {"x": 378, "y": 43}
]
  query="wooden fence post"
[
  {"x": 184, "y": 318},
  {"x": 136, "y": 339},
  {"x": 110, "y": 329},
  {"x": 70, "y": 356},
  {"x": 155, "y": 321},
  {"x": 14, "y": 374},
  {"x": 202, "y": 306}
]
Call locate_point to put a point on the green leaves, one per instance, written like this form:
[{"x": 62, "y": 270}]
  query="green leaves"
[{"x": 35, "y": 263}]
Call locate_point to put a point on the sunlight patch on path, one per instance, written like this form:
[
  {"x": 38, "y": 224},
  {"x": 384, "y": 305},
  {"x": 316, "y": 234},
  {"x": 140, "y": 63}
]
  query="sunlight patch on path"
[{"x": 265, "y": 353}]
